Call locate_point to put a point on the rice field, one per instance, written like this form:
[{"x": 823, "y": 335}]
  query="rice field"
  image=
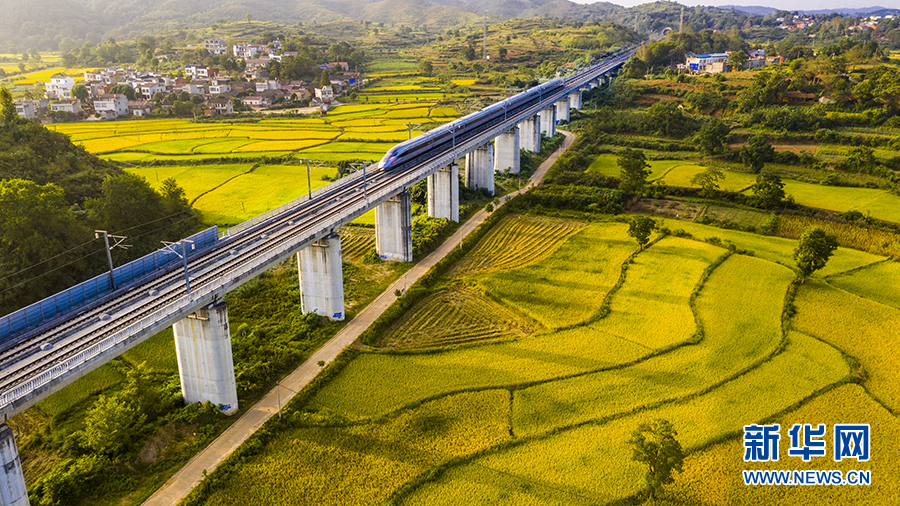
[
  {"x": 722, "y": 463},
  {"x": 879, "y": 242},
  {"x": 870, "y": 281},
  {"x": 356, "y": 242},
  {"x": 734, "y": 181},
  {"x": 711, "y": 356},
  {"x": 855, "y": 330},
  {"x": 453, "y": 317},
  {"x": 743, "y": 217},
  {"x": 517, "y": 241}
]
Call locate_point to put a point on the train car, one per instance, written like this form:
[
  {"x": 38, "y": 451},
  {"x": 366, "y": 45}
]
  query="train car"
[{"x": 427, "y": 145}]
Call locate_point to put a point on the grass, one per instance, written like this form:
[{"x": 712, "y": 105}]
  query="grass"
[
  {"x": 365, "y": 464},
  {"x": 606, "y": 164},
  {"x": 733, "y": 181},
  {"x": 517, "y": 241},
  {"x": 741, "y": 216},
  {"x": 455, "y": 316},
  {"x": 854, "y": 331},
  {"x": 722, "y": 464},
  {"x": 100, "y": 379},
  {"x": 584, "y": 269}
]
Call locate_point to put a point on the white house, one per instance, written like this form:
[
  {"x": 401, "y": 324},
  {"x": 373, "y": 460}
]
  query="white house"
[
  {"x": 706, "y": 62},
  {"x": 247, "y": 51},
  {"x": 218, "y": 87},
  {"x": 267, "y": 85},
  {"x": 60, "y": 87},
  {"x": 73, "y": 106},
  {"x": 147, "y": 90},
  {"x": 257, "y": 101},
  {"x": 25, "y": 108},
  {"x": 190, "y": 71},
  {"x": 325, "y": 94},
  {"x": 215, "y": 45},
  {"x": 112, "y": 103}
]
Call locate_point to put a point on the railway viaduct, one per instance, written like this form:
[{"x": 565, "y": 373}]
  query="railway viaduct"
[{"x": 54, "y": 342}]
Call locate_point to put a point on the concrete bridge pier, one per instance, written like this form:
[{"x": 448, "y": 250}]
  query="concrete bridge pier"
[
  {"x": 205, "y": 364},
  {"x": 562, "y": 109},
  {"x": 507, "y": 159},
  {"x": 593, "y": 84},
  {"x": 575, "y": 100},
  {"x": 548, "y": 121},
  {"x": 393, "y": 229},
  {"x": 480, "y": 168},
  {"x": 321, "y": 278},
  {"x": 530, "y": 134},
  {"x": 443, "y": 193},
  {"x": 12, "y": 484}
]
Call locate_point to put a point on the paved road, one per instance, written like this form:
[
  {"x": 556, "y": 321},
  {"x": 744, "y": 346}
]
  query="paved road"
[{"x": 183, "y": 481}]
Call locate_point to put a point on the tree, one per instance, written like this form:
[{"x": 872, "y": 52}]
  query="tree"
[
  {"x": 7, "y": 107},
  {"x": 814, "y": 250},
  {"x": 325, "y": 80},
  {"x": 248, "y": 17},
  {"x": 123, "y": 89},
  {"x": 768, "y": 190},
  {"x": 655, "y": 444},
  {"x": 112, "y": 425},
  {"x": 426, "y": 67},
  {"x": 502, "y": 53},
  {"x": 640, "y": 228},
  {"x": 711, "y": 138},
  {"x": 633, "y": 175},
  {"x": 470, "y": 52},
  {"x": 757, "y": 152},
  {"x": 737, "y": 60},
  {"x": 80, "y": 92},
  {"x": 668, "y": 118},
  {"x": 708, "y": 180}
]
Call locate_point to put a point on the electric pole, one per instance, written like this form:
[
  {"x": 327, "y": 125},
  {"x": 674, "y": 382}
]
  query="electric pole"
[
  {"x": 681, "y": 25},
  {"x": 484, "y": 55}
]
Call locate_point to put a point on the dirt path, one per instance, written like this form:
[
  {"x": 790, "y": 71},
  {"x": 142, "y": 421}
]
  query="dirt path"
[{"x": 183, "y": 481}]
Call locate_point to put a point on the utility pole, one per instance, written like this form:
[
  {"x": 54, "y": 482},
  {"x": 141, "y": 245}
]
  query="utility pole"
[
  {"x": 119, "y": 239},
  {"x": 308, "y": 179},
  {"x": 183, "y": 255},
  {"x": 681, "y": 25}
]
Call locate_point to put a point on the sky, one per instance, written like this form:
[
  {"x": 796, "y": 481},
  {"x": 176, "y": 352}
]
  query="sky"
[{"x": 788, "y": 5}]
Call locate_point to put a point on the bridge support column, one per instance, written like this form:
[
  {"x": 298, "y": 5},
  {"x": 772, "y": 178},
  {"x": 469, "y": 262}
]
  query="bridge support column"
[
  {"x": 480, "y": 168},
  {"x": 562, "y": 109},
  {"x": 12, "y": 484},
  {"x": 548, "y": 121},
  {"x": 530, "y": 134},
  {"x": 205, "y": 364},
  {"x": 593, "y": 84},
  {"x": 443, "y": 193},
  {"x": 321, "y": 278},
  {"x": 507, "y": 159},
  {"x": 393, "y": 229},
  {"x": 575, "y": 100}
]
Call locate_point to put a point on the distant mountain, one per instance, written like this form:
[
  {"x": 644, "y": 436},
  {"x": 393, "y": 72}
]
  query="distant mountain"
[{"x": 863, "y": 11}]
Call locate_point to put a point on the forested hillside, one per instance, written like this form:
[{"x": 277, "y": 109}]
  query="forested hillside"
[{"x": 53, "y": 195}]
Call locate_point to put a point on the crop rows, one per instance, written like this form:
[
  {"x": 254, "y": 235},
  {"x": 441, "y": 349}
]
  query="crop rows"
[
  {"x": 452, "y": 317},
  {"x": 880, "y": 242},
  {"x": 870, "y": 282},
  {"x": 515, "y": 242}
]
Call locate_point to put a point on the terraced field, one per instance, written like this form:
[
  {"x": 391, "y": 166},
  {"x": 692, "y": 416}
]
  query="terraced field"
[{"x": 694, "y": 333}]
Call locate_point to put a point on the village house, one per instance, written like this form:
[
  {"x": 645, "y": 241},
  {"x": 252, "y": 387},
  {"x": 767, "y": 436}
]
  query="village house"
[
  {"x": 139, "y": 108},
  {"x": 72, "y": 106},
  {"x": 112, "y": 105},
  {"x": 706, "y": 62},
  {"x": 324, "y": 94},
  {"x": 247, "y": 51},
  {"x": 147, "y": 90},
  {"x": 60, "y": 87},
  {"x": 215, "y": 45},
  {"x": 267, "y": 85},
  {"x": 219, "y": 86},
  {"x": 257, "y": 101},
  {"x": 219, "y": 106}
]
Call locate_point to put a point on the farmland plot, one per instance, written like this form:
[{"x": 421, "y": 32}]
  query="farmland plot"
[
  {"x": 517, "y": 241},
  {"x": 455, "y": 316}
]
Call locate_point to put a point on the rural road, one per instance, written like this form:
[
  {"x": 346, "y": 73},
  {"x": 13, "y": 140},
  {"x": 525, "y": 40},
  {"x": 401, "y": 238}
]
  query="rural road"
[{"x": 183, "y": 481}]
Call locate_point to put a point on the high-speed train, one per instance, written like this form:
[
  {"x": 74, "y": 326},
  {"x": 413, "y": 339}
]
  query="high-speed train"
[{"x": 414, "y": 151}]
